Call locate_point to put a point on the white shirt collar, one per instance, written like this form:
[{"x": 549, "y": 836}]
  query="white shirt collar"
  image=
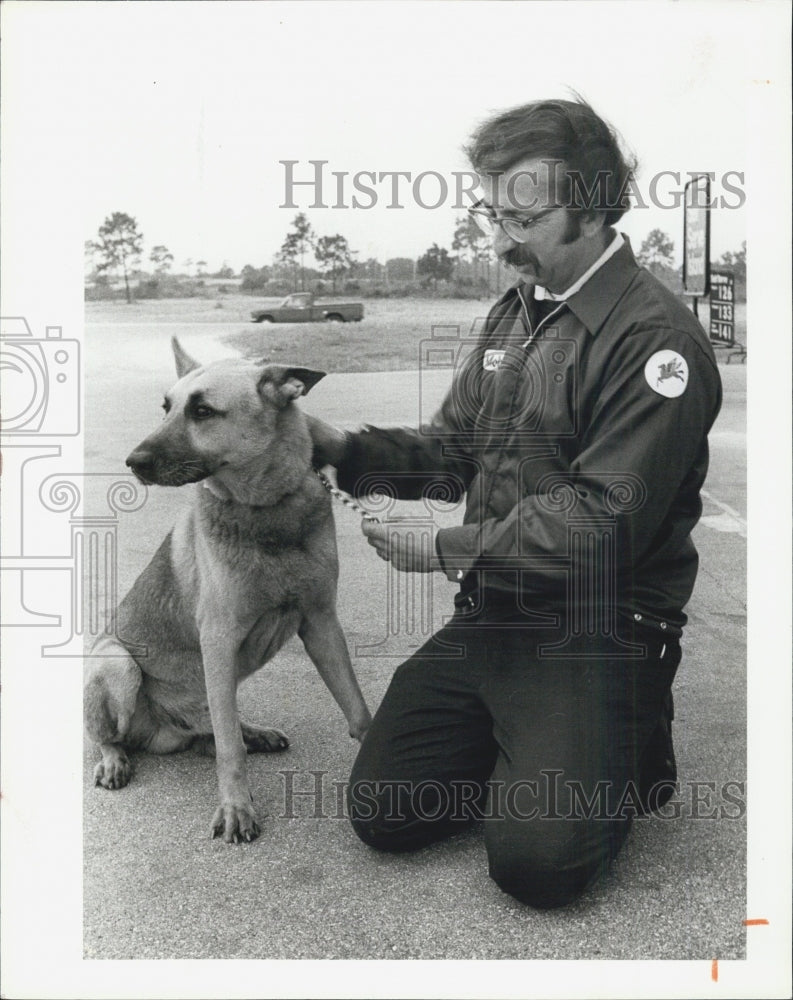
[{"x": 611, "y": 249}]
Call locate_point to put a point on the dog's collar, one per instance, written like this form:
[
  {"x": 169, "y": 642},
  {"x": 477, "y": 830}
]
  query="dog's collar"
[
  {"x": 224, "y": 495},
  {"x": 345, "y": 498}
]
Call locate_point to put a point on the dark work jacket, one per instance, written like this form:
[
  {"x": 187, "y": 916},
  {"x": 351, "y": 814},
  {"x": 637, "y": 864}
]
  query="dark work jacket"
[{"x": 580, "y": 444}]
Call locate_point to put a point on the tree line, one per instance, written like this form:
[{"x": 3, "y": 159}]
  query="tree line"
[
  {"x": 118, "y": 251},
  {"x": 657, "y": 255}
]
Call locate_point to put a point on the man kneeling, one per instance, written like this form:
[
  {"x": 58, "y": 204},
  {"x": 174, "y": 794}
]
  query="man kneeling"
[{"x": 576, "y": 429}]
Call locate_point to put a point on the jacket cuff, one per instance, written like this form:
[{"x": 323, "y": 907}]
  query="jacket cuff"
[
  {"x": 456, "y": 549},
  {"x": 348, "y": 468}
]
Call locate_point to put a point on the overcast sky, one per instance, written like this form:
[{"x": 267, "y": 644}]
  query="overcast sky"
[{"x": 179, "y": 114}]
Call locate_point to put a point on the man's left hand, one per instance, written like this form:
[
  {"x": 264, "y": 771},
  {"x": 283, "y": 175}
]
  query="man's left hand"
[{"x": 399, "y": 545}]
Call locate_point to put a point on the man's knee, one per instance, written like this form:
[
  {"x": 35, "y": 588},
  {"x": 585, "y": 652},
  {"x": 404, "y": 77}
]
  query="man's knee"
[
  {"x": 537, "y": 883},
  {"x": 392, "y": 837},
  {"x": 549, "y": 869},
  {"x": 381, "y": 815},
  {"x": 403, "y": 815}
]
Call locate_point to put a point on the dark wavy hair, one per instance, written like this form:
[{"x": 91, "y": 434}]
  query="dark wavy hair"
[{"x": 596, "y": 172}]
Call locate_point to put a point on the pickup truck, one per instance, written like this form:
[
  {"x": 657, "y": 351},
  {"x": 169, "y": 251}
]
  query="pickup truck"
[{"x": 300, "y": 307}]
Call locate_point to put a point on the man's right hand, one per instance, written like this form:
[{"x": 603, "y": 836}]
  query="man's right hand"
[{"x": 330, "y": 443}]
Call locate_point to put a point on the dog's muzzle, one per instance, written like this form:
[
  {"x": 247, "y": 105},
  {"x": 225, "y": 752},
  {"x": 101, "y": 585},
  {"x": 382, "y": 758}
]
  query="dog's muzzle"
[
  {"x": 142, "y": 464},
  {"x": 153, "y": 468}
]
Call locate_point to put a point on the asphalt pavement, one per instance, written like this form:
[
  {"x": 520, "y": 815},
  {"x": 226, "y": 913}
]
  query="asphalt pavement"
[{"x": 156, "y": 886}]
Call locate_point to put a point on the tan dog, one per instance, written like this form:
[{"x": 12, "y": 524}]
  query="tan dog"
[{"x": 252, "y": 562}]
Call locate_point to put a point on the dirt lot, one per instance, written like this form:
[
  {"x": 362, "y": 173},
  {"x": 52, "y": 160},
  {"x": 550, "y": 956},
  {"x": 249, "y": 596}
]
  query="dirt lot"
[{"x": 387, "y": 339}]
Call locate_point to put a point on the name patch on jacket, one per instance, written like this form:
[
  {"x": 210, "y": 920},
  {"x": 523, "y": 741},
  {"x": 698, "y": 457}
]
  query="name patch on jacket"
[{"x": 492, "y": 360}]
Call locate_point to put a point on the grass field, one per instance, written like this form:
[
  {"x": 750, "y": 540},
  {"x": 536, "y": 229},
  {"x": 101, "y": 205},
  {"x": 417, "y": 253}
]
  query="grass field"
[{"x": 387, "y": 339}]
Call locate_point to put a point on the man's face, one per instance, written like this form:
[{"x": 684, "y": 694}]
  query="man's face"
[{"x": 560, "y": 245}]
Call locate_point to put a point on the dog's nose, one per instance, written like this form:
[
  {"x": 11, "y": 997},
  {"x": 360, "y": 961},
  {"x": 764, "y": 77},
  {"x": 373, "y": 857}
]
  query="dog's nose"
[{"x": 141, "y": 461}]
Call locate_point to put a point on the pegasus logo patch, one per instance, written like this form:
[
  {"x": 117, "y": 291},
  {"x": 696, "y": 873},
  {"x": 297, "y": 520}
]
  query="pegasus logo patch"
[{"x": 666, "y": 373}]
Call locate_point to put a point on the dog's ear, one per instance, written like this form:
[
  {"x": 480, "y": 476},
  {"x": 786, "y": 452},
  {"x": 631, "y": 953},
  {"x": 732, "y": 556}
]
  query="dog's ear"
[
  {"x": 184, "y": 363},
  {"x": 282, "y": 384}
]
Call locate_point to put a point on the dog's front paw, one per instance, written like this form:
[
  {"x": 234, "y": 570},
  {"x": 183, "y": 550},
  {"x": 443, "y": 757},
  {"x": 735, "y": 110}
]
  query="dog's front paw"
[
  {"x": 258, "y": 740},
  {"x": 113, "y": 772},
  {"x": 235, "y": 823}
]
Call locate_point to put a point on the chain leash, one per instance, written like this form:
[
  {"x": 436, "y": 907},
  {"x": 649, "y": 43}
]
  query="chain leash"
[{"x": 345, "y": 498}]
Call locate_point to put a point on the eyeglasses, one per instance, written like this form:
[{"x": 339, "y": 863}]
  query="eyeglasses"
[{"x": 516, "y": 229}]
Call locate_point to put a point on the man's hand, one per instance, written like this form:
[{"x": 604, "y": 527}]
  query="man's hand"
[
  {"x": 329, "y": 442},
  {"x": 399, "y": 545}
]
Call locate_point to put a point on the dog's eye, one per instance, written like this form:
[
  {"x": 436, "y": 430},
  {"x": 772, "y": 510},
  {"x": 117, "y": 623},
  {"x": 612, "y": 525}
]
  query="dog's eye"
[{"x": 202, "y": 412}]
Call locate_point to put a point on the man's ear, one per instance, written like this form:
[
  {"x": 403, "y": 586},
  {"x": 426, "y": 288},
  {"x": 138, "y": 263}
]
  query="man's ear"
[
  {"x": 282, "y": 384},
  {"x": 184, "y": 363}
]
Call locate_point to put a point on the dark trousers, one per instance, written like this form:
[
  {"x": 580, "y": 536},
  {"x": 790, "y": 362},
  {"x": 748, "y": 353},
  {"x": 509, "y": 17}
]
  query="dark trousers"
[{"x": 544, "y": 745}]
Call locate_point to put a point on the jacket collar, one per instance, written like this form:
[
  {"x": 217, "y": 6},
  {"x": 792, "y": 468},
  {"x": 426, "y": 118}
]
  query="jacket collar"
[
  {"x": 593, "y": 303},
  {"x": 615, "y": 243}
]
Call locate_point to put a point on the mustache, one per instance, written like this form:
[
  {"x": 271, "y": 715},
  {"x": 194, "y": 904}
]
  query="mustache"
[{"x": 519, "y": 256}]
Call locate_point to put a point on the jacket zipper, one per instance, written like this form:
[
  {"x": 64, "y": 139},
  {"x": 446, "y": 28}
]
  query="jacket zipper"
[{"x": 532, "y": 332}]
